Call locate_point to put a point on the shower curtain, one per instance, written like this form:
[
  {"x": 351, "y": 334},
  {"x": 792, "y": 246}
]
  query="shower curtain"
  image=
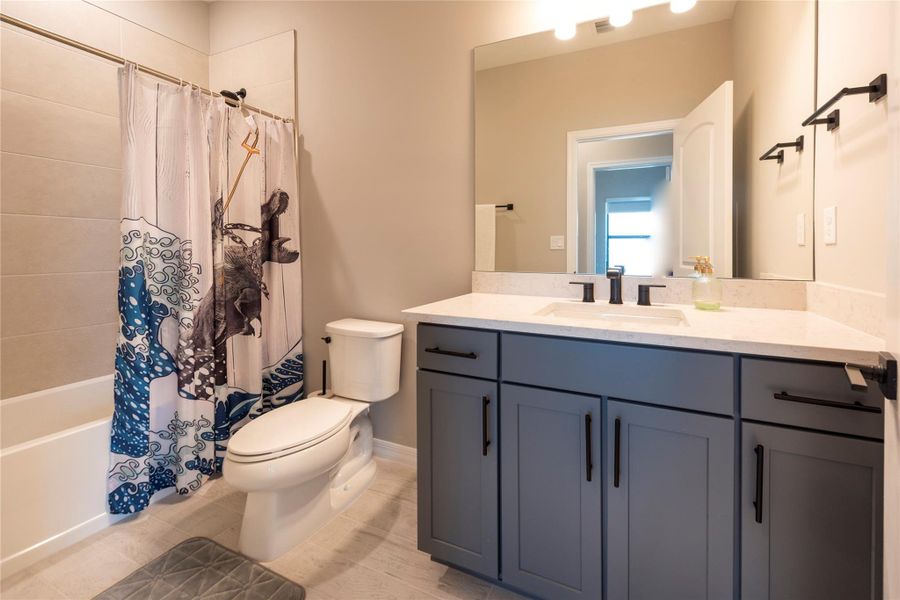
[{"x": 209, "y": 293}]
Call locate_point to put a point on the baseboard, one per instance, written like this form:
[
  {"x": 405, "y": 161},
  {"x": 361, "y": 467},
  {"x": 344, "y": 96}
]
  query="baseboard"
[{"x": 396, "y": 452}]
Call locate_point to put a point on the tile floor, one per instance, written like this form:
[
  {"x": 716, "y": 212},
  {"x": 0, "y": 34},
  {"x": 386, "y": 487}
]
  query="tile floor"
[{"x": 367, "y": 553}]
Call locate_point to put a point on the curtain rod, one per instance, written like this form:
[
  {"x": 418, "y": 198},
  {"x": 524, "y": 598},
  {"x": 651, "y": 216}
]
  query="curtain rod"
[{"x": 122, "y": 61}]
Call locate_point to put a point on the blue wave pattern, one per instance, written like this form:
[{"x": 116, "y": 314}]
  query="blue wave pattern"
[{"x": 154, "y": 446}]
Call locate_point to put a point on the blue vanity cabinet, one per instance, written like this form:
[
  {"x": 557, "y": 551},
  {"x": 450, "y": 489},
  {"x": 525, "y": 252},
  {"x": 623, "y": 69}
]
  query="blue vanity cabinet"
[
  {"x": 811, "y": 515},
  {"x": 457, "y": 471},
  {"x": 669, "y": 503},
  {"x": 551, "y": 484}
]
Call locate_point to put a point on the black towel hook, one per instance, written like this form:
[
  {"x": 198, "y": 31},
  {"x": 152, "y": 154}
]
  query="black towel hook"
[
  {"x": 779, "y": 156},
  {"x": 876, "y": 89}
]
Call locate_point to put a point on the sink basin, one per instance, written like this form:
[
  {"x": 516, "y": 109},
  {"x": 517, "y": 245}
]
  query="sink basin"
[{"x": 614, "y": 313}]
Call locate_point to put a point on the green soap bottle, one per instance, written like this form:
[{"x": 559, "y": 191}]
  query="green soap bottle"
[{"x": 706, "y": 289}]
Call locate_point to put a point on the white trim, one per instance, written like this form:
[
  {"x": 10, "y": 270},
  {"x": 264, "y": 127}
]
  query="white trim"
[
  {"x": 395, "y": 452},
  {"x": 590, "y": 216},
  {"x": 573, "y": 138},
  {"x": 38, "y": 552}
]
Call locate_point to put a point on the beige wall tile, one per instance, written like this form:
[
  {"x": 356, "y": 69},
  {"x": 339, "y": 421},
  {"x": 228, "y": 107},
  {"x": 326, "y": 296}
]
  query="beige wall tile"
[
  {"x": 277, "y": 98},
  {"x": 42, "y": 128},
  {"x": 40, "y": 303},
  {"x": 32, "y": 185},
  {"x": 71, "y": 18},
  {"x": 262, "y": 62},
  {"x": 32, "y": 244},
  {"x": 161, "y": 53},
  {"x": 184, "y": 21},
  {"x": 35, "y": 362},
  {"x": 43, "y": 69}
]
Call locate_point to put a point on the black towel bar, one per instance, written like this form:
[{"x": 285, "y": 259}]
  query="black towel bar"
[
  {"x": 779, "y": 156},
  {"x": 876, "y": 89},
  {"x": 509, "y": 206}
]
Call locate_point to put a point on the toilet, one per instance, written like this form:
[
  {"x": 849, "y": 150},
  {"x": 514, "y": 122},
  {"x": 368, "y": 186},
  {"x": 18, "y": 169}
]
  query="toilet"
[{"x": 303, "y": 463}]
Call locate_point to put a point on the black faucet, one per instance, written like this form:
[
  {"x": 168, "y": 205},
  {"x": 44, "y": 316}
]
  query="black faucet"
[
  {"x": 588, "y": 295},
  {"x": 644, "y": 293},
  {"x": 614, "y": 274}
]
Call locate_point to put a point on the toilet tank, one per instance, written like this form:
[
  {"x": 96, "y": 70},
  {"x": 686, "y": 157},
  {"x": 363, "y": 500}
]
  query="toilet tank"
[{"x": 365, "y": 359}]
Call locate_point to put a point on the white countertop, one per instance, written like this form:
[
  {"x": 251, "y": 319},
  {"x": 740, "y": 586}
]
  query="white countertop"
[{"x": 768, "y": 332}]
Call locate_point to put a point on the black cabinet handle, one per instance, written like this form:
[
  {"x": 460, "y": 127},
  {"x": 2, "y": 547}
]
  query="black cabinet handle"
[
  {"x": 437, "y": 350},
  {"x": 617, "y": 453},
  {"x": 758, "y": 501},
  {"x": 858, "y": 406},
  {"x": 588, "y": 450},
  {"x": 485, "y": 441}
]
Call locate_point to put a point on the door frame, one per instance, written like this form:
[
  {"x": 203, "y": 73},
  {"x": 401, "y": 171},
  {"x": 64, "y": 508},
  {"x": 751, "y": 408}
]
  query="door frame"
[
  {"x": 573, "y": 138},
  {"x": 590, "y": 216}
]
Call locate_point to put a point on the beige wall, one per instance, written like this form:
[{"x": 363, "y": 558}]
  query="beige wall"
[
  {"x": 524, "y": 110},
  {"x": 386, "y": 124},
  {"x": 59, "y": 183},
  {"x": 265, "y": 68},
  {"x": 853, "y": 162},
  {"x": 774, "y": 88}
]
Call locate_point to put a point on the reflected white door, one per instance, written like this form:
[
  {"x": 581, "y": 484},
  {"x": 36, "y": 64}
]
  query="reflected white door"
[{"x": 701, "y": 183}]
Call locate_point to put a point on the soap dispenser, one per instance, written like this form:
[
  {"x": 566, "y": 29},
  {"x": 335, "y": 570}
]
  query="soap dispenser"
[{"x": 706, "y": 289}]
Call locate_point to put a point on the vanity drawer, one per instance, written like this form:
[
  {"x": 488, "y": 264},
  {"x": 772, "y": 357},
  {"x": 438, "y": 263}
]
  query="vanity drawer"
[
  {"x": 812, "y": 395},
  {"x": 470, "y": 352},
  {"x": 694, "y": 380}
]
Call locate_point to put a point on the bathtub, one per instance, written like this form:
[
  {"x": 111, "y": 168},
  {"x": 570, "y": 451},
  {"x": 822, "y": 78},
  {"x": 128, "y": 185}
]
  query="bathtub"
[{"x": 54, "y": 454}]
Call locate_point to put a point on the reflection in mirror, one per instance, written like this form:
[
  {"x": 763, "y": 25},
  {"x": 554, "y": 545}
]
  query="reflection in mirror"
[{"x": 640, "y": 145}]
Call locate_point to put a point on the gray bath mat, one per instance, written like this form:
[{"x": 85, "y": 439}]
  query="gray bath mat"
[{"x": 200, "y": 568}]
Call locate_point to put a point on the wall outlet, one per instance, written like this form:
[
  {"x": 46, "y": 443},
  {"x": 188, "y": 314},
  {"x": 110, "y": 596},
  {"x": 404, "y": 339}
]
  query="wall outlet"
[
  {"x": 829, "y": 224},
  {"x": 557, "y": 242},
  {"x": 801, "y": 229}
]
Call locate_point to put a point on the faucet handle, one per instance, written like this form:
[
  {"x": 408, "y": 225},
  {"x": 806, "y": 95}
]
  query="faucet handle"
[
  {"x": 588, "y": 295},
  {"x": 644, "y": 293}
]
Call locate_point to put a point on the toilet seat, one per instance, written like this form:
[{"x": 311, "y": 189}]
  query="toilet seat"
[{"x": 289, "y": 429}]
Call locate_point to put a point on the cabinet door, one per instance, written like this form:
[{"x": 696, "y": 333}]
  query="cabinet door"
[
  {"x": 811, "y": 515},
  {"x": 457, "y": 464},
  {"x": 670, "y": 504},
  {"x": 551, "y": 501}
]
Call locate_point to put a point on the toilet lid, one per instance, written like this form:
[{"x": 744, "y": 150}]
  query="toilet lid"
[{"x": 302, "y": 423}]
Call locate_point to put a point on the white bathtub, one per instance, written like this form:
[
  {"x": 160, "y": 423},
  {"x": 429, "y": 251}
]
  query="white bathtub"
[{"x": 54, "y": 454}]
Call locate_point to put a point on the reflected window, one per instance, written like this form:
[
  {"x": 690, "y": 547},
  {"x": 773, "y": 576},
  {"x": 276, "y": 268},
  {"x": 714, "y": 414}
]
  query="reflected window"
[{"x": 629, "y": 235}]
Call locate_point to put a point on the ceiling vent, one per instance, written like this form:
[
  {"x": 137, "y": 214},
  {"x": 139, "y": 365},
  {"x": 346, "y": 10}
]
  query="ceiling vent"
[{"x": 602, "y": 26}]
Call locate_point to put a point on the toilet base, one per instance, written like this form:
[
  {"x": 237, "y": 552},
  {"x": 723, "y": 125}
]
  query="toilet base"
[{"x": 276, "y": 521}]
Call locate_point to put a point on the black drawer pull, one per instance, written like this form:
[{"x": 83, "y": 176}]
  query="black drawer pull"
[
  {"x": 858, "y": 406},
  {"x": 758, "y": 500},
  {"x": 617, "y": 454},
  {"x": 437, "y": 350},
  {"x": 588, "y": 451},
  {"x": 485, "y": 439}
]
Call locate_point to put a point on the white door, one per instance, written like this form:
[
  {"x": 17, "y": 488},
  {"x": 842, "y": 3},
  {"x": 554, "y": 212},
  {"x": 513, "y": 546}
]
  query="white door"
[{"x": 701, "y": 183}]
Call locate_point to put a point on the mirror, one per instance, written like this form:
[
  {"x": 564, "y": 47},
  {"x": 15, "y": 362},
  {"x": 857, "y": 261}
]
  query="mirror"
[{"x": 641, "y": 145}]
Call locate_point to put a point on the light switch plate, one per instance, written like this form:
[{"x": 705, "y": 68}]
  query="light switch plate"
[
  {"x": 830, "y": 225},
  {"x": 801, "y": 229},
  {"x": 557, "y": 242}
]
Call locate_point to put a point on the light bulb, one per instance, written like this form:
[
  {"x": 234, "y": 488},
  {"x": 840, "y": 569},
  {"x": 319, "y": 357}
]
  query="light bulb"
[
  {"x": 620, "y": 14},
  {"x": 681, "y": 6},
  {"x": 565, "y": 31}
]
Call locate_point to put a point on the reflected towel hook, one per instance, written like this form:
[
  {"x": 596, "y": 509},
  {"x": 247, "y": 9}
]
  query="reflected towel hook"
[{"x": 779, "y": 156}]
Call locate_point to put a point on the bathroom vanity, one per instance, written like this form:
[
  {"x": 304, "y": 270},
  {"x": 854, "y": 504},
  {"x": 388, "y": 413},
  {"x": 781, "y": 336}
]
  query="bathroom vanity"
[{"x": 616, "y": 458}]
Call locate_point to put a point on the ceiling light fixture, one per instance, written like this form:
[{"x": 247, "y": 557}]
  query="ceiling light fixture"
[
  {"x": 682, "y": 6},
  {"x": 620, "y": 14},
  {"x": 565, "y": 31}
]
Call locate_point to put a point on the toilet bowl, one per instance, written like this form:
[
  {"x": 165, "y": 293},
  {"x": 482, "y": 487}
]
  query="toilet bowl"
[{"x": 303, "y": 463}]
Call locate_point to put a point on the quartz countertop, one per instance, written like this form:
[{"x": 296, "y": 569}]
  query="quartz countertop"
[{"x": 756, "y": 331}]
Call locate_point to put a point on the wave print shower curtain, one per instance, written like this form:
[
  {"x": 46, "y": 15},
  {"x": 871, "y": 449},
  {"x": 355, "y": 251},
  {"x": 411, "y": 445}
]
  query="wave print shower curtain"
[{"x": 209, "y": 291}]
